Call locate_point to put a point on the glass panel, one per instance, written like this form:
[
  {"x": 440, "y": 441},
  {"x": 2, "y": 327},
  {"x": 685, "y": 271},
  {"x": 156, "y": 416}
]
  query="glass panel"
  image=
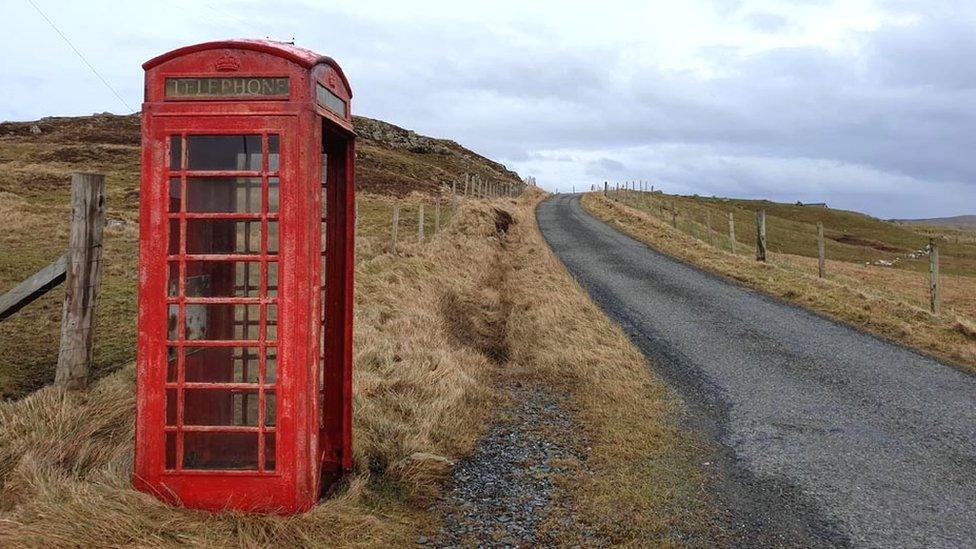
[
  {"x": 173, "y": 279},
  {"x": 220, "y": 451},
  {"x": 271, "y": 365},
  {"x": 171, "y": 450},
  {"x": 173, "y": 246},
  {"x": 174, "y": 194},
  {"x": 171, "y": 365},
  {"x": 272, "y": 279},
  {"x": 220, "y": 407},
  {"x": 272, "y": 237},
  {"x": 175, "y": 152},
  {"x": 221, "y": 365},
  {"x": 273, "y": 194},
  {"x": 170, "y": 407},
  {"x": 223, "y": 278},
  {"x": 220, "y": 322},
  {"x": 270, "y": 409},
  {"x": 273, "y": 153},
  {"x": 172, "y": 319},
  {"x": 223, "y": 236},
  {"x": 223, "y": 194},
  {"x": 269, "y": 452},
  {"x": 272, "y": 329},
  {"x": 224, "y": 152}
]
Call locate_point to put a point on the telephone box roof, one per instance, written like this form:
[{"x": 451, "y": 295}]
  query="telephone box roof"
[{"x": 298, "y": 55}]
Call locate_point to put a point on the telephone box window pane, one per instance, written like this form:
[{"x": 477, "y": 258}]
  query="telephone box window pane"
[
  {"x": 172, "y": 365},
  {"x": 272, "y": 237},
  {"x": 220, "y": 407},
  {"x": 221, "y": 322},
  {"x": 272, "y": 194},
  {"x": 172, "y": 319},
  {"x": 171, "y": 450},
  {"x": 174, "y": 194},
  {"x": 221, "y": 365},
  {"x": 175, "y": 152},
  {"x": 173, "y": 279},
  {"x": 273, "y": 153},
  {"x": 223, "y": 236},
  {"x": 222, "y": 278},
  {"x": 223, "y": 194},
  {"x": 270, "y": 409},
  {"x": 272, "y": 279},
  {"x": 271, "y": 365},
  {"x": 272, "y": 328},
  {"x": 224, "y": 152},
  {"x": 171, "y": 407},
  {"x": 270, "y": 452},
  {"x": 209, "y": 451},
  {"x": 173, "y": 235}
]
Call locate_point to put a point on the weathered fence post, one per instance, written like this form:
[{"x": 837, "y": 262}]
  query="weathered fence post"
[
  {"x": 821, "y": 251},
  {"x": 708, "y": 227},
  {"x": 761, "y": 235},
  {"x": 732, "y": 233},
  {"x": 606, "y": 188},
  {"x": 674, "y": 217},
  {"x": 934, "y": 297},
  {"x": 396, "y": 222},
  {"x": 437, "y": 218},
  {"x": 420, "y": 223},
  {"x": 467, "y": 181},
  {"x": 84, "y": 269},
  {"x": 454, "y": 188}
]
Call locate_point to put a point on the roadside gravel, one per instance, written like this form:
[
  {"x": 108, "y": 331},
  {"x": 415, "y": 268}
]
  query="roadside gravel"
[{"x": 506, "y": 493}]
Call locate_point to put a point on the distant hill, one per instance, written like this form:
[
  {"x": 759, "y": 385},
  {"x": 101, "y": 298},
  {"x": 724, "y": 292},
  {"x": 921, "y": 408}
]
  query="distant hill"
[
  {"x": 965, "y": 222},
  {"x": 389, "y": 159}
]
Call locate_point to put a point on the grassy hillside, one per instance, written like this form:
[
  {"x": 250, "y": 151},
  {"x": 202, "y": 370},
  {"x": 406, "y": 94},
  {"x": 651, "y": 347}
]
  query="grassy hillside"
[
  {"x": 791, "y": 229},
  {"x": 889, "y": 299},
  {"x": 36, "y": 160}
]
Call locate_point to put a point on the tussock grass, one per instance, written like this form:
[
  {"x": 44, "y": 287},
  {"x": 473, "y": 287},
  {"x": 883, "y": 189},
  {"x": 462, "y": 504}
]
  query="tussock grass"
[
  {"x": 888, "y": 303},
  {"x": 66, "y": 459}
]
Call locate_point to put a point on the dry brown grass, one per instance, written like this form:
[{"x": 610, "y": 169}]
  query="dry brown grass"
[
  {"x": 66, "y": 459},
  {"x": 886, "y": 303}
]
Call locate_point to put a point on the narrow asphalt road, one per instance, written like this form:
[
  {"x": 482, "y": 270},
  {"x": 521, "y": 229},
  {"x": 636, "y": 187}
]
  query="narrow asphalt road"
[{"x": 825, "y": 435}]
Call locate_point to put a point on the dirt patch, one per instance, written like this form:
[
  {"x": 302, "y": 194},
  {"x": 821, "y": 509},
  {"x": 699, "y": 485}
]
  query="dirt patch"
[{"x": 865, "y": 242}]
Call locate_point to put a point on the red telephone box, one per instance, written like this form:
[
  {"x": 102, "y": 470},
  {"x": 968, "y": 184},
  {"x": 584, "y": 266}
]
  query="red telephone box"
[{"x": 245, "y": 277}]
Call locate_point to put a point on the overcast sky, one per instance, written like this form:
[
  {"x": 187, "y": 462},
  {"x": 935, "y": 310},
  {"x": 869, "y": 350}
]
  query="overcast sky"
[{"x": 867, "y": 105}]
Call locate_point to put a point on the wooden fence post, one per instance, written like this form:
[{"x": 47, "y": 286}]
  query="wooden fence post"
[
  {"x": 396, "y": 222},
  {"x": 437, "y": 217},
  {"x": 467, "y": 181},
  {"x": 420, "y": 223},
  {"x": 708, "y": 227},
  {"x": 84, "y": 270},
  {"x": 821, "y": 251},
  {"x": 761, "y": 235},
  {"x": 606, "y": 189},
  {"x": 934, "y": 297},
  {"x": 732, "y": 232},
  {"x": 674, "y": 217}
]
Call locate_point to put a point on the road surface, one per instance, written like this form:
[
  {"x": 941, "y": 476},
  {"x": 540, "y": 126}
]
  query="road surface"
[{"x": 824, "y": 435}]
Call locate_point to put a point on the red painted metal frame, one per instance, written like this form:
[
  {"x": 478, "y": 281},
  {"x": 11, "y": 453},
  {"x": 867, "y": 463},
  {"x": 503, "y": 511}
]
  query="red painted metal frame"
[{"x": 312, "y": 439}]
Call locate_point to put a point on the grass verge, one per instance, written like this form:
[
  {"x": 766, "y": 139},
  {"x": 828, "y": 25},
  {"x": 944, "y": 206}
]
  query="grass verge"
[{"x": 437, "y": 329}]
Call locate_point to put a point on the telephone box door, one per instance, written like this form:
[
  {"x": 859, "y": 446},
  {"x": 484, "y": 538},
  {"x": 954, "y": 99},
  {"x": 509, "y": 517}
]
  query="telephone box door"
[{"x": 229, "y": 334}]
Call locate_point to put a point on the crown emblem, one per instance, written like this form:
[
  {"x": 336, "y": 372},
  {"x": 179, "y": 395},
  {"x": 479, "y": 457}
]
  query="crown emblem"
[{"x": 227, "y": 63}]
